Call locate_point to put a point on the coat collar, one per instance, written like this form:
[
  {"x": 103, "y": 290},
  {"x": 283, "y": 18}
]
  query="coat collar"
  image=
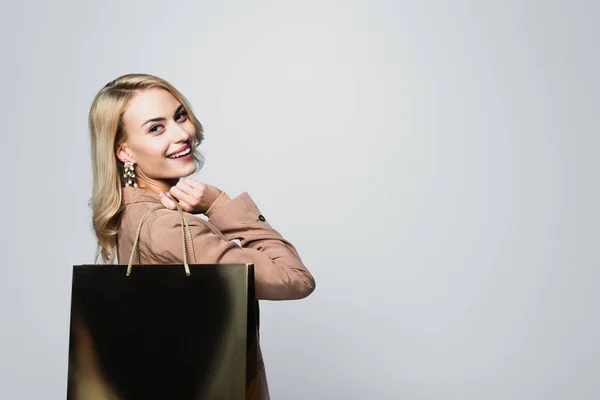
[{"x": 137, "y": 195}]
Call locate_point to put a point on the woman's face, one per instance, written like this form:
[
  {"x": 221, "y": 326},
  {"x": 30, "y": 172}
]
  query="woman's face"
[{"x": 159, "y": 137}]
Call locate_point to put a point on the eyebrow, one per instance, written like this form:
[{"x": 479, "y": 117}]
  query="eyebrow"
[{"x": 163, "y": 118}]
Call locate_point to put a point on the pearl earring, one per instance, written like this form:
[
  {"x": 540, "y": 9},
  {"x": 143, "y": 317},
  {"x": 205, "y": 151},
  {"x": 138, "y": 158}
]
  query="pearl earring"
[{"x": 129, "y": 175}]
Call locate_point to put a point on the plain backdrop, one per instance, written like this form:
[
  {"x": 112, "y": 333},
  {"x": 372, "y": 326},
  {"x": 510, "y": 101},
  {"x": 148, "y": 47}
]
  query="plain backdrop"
[{"x": 434, "y": 162}]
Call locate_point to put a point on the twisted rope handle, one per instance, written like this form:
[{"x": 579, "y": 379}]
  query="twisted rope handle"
[{"x": 136, "y": 247}]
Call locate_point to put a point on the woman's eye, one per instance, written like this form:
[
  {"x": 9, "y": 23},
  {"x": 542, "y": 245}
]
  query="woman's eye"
[
  {"x": 181, "y": 114},
  {"x": 153, "y": 130}
]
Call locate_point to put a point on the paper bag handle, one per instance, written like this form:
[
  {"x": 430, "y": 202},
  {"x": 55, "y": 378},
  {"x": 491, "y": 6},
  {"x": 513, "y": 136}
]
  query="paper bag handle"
[{"x": 184, "y": 225}]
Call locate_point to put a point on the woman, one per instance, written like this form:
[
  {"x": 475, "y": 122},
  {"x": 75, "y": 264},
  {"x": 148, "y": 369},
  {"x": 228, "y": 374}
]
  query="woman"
[{"x": 144, "y": 139}]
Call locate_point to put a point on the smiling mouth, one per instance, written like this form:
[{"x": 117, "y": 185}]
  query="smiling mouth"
[{"x": 181, "y": 153}]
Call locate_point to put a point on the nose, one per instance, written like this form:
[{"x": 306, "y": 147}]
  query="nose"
[{"x": 178, "y": 133}]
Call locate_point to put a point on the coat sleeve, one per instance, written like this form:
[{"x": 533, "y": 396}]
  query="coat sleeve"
[{"x": 278, "y": 270}]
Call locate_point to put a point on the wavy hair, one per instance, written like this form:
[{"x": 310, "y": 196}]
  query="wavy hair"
[{"x": 106, "y": 129}]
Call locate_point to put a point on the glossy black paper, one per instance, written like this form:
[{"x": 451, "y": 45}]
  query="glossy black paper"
[{"x": 160, "y": 334}]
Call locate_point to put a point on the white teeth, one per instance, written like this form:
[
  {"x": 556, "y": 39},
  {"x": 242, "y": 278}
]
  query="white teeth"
[{"x": 180, "y": 154}]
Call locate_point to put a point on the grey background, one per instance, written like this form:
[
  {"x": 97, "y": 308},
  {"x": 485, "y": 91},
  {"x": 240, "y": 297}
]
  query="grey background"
[{"x": 434, "y": 162}]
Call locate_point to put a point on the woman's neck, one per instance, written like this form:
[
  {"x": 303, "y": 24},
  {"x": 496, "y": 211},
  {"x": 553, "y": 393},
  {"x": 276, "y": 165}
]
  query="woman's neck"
[{"x": 157, "y": 185}]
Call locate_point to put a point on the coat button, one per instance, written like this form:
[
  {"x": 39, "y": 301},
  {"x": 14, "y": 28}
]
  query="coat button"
[{"x": 261, "y": 218}]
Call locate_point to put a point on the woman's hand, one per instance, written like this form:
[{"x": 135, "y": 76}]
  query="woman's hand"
[{"x": 193, "y": 196}]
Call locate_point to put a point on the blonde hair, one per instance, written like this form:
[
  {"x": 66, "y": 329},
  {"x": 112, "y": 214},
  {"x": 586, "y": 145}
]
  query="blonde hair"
[{"x": 106, "y": 129}]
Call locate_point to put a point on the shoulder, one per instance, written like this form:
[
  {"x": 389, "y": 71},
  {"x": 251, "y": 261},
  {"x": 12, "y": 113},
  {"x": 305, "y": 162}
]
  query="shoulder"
[
  {"x": 153, "y": 216},
  {"x": 133, "y": 214},
  {"x": 164, "y": 220},
  {"x": 160, "y": 221},
  {"x": 164, "y": 235}
]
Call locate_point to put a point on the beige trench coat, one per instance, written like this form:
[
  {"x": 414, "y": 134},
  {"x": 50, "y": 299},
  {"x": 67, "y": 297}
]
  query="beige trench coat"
[{"x": 278, "y": 269}]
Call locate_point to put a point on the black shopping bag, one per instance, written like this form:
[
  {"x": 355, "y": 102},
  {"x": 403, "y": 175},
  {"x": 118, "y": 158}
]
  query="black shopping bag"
[{"x": 163, "y": 331}]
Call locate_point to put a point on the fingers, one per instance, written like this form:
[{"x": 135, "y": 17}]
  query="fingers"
[
  {"x": 193, "y": 192},
  {"x": 186, "y": 187},
  {"x": 193, "y": 196},
  {"x": 192, "y": 183},
  {"x": 183, "y": 197},
  {"x": 169, "y": 202},
  {"x": 171, "y": 196},
  {"x": 186, "y": 207},
  {"x": 166, "y": 201}
]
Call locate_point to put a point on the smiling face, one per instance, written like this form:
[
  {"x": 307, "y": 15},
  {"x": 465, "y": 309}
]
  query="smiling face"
[{"x": 159, "y": 139}]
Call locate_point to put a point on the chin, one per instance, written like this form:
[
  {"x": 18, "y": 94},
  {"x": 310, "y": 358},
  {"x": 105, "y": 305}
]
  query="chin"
[
  {"x": 187, "y": 169},
  {"x": 180, "y": 169},
  {"x": 193, "y": 167}
]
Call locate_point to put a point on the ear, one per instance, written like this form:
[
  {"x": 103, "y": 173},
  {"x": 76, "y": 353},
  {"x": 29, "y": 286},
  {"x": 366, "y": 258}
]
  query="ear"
[{"x": 123, "y": 154}]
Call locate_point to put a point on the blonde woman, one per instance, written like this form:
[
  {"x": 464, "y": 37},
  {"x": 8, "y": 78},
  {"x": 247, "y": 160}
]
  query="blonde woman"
[{"x": 144, "y": 139}]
